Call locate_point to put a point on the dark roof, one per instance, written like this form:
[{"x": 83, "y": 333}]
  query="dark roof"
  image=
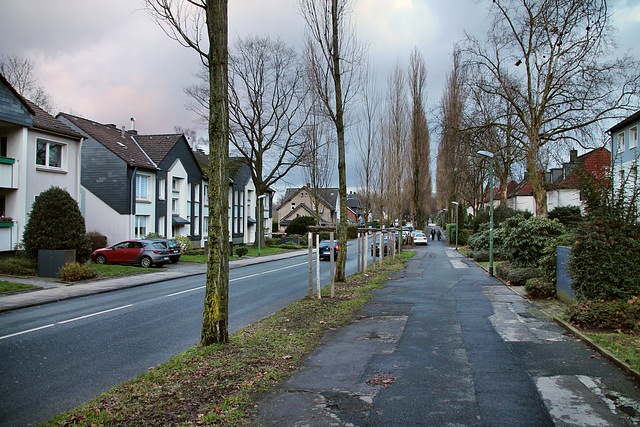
[
  {"x": 235, "y": 165},
  {"x": 301, "y": 206},
  {"x": 203, "y": 160},
  {"x": 123, "y": 146},
  {"x": 158, "y": 146},
  {"x": 45, "y": 121},
  {"x": 632, "y": 118}
]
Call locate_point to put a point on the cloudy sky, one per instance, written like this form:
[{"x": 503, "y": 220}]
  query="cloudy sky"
[{"x": 106, "y": 60}]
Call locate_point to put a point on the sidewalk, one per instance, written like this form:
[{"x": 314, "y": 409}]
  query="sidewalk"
[
  {"x": 55, "y": 290},
  {"x": 445, "y": 344}
]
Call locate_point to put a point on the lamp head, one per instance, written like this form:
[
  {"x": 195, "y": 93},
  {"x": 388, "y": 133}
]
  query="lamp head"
[{"x": 488, "y": 154}]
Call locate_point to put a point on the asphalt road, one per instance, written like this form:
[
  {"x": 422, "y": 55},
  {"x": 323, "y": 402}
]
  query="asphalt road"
[{"x": 79, "y": 348}]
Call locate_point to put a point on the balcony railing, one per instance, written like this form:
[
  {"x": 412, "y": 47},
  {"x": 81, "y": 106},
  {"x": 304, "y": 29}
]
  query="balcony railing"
[{"x": 8, "y": 173}]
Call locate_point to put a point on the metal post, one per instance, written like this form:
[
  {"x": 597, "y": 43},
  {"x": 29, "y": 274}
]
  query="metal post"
[
  {"x": 373, "y": 250},
  {"x": 359, "y": 241},
  {"x": 332, "y": 262},
  {"x": 365, "y": 254},
  {"x": 456, "y": 205},
  {"x": 310, "y": 244},
  {"x": 318, "y": 264},
  {"x": 490, "y": 155}
]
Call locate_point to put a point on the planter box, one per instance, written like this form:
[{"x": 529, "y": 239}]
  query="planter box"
[
  {"x": 6, "y": 224},
  {"x": 50, "y": 261}
]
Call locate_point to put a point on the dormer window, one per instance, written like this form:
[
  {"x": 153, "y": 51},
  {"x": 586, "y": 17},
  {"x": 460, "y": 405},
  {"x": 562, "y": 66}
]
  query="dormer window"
[{"x": 293, "y": 206}]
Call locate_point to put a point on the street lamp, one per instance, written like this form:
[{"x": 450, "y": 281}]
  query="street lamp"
[
  {"x": 456, "y": 205},
  {"x": 490, "y": 155},
  {"x": 260, "y": 220}
]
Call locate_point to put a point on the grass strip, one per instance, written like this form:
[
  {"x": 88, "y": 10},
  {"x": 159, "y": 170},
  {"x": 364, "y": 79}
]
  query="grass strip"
[
  {"x": 116, "y": 270},
  {"x": 253, "y": 252},
  {"x": 218, "y": 384},
  {"x": 624, "y": 347},
  {"x": 11, "y": 287}
]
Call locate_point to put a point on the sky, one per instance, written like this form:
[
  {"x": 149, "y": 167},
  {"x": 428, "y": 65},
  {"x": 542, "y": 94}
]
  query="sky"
[{"x": 106, "y": 60}]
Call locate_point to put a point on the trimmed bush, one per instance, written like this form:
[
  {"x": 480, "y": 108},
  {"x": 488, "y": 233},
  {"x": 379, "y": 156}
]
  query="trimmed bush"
[
  {"x": 514, "y": 275},
  {"x": 615, "y": 315},
  {"x": 352, "y": 231},
  {"x": 75, "y": 272},
  {"x": 55, "y": 222},
  {"x": 526, "y": 240},
  {"x": 480, "y": 256},
  {"x": 569, "y": 216},
  {"x": 18, "y": 267},
  {"x": 540, "y": 288},
  {"x": 97, "y": 240},
  {"x": 299, "y": 225},
  {"x": 241, "y": 251}
]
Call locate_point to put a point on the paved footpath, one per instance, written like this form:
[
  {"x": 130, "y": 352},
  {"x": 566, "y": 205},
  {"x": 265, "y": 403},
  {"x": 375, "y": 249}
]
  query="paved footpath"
[{"x": 445, "y": 344}]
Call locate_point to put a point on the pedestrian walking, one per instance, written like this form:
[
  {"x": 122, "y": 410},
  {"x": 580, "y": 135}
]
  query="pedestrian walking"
[
  {"x": 433, "y": 234},
  {"x": 439, "y": 234}
]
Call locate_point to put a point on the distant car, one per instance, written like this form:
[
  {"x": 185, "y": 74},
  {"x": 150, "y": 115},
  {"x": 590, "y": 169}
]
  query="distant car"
[
  {"x": 325, "y": 249},
  {"x": 174, "y": 248},
  {"x": 386, "y": 248},
  {"x": 143, "y": 252},
  {"x": 420, "y": 239},
  {"x": 414, "y": 232}
]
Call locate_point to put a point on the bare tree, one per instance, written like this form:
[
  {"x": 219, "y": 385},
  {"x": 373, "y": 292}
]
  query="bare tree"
[
  {"x": 368, "y": 140},
  {"x": 266, "y": 106},
  {"x": 551, "y": 63},
  {"x": 319, "y": 158},
  {"x": 396, "y": 131},
  {"x": 202, "y": 25},
  {"x": 420, "y": 178},
  {"x": 191, "y": 135},
  {"x": 334, "y": 61},
  {"x": 19, "y": 73}
]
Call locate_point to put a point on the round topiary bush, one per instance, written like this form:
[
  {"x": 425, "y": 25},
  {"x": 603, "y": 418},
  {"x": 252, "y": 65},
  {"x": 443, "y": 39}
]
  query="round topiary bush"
[
  {"x": 299, "y": 225},
  {"x": 55, "y": 222}
]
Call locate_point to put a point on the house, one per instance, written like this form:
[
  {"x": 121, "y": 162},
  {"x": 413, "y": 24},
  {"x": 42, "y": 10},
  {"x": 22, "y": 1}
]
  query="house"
[
  {"x": 564, "y": 189},
  {"x": 624, "y": 150},
  {"x": 37, "y": 151},
  {"x": 302, "y": 201},
  {"x": 521, "y": 196},
  {"x": 243, "y": 202},
  {"x": 135, "y": 184}
]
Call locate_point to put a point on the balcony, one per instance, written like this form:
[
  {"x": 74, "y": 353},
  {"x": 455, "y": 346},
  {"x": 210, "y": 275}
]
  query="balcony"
[
  {"x": 8, "y": 234},
  {"x": 8, "y": 173}
]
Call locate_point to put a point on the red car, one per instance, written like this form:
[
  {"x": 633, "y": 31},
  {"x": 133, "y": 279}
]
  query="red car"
[{"x": 143, "y": 252}]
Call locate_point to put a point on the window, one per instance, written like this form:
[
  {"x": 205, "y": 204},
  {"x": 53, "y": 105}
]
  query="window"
[
  {"x": 206, "y": 195},
  {"x": 3, "y": 146},
  {"x": 141, "y": 226},
  {"x": 49, "y": 154},
  {"x": 620, "y": 142},
  {"x": 161, "y": 225},
  {"x": 197, "y": 193},
  {"x": 142, "y": 187},
  {"x": 293, "y": 206},
  {"x": 162, "y": 188},
  {"x": 633, "y": 137}
]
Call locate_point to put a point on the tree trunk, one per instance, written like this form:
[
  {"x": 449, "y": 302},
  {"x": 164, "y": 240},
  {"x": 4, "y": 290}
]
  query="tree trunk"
[
  {"x": 537, "y": 183},
  {"x": 342, "y": 176},
  {"x": 216, "y": 302}
]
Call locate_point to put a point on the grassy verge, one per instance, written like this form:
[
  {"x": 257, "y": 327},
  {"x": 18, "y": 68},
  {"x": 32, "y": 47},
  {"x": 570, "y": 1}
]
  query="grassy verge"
[
  {"x": 252, "y": 252},
  {"x": 625, "y": 347},
  {"x": 218, "y": 384},
  {"x": 10, "y": 287},
  {"x": 115, "y": 270}
]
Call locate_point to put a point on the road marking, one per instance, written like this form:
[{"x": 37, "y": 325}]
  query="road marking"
[
  {"x": 27, "y": 331},
  {"x": 237, "y": 278},
  {"x": 94, "y": 314}
]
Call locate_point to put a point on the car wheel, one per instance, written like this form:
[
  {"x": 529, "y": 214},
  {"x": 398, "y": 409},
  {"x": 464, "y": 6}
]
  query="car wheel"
[
  {"x": 174, "y": 261},
  {"x": 145, "y": 262},
  {"x": 101, "y": 259}
]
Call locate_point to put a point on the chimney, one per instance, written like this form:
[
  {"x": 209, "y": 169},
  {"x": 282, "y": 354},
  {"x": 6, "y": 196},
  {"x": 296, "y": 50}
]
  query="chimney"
[
  {"x": 123, "y": 132},
  {"x": 573, "y": 156},
  {"x": 133, "y": 124}
]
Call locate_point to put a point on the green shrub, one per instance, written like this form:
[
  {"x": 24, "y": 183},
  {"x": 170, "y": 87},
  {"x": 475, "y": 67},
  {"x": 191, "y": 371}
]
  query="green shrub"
[
  {"x": 291, "y": 246},
  {"x": 75, "y": 272},
  {"x": 194, "y": 252},
  {"x": 299, "y": 225},
  {"x": 352, "y": 231},
  {"x": 514, "y": 275},
  {"x": 97, "y": 240},
  {"x": 540, "y": 288},
  {"x": 526, "y": 240},
  {"x": 184, "y": 242},
  {"x": 604, "y": 258},
  {"x": 463, "y": 236},
  {"x": 18, "y": 267},
  {"x": 270, "y": 241},
  {"x": 241, "y": 251},
  {"x": 154, "y": 236},
  {"x": 618, "y": 315},
  {"x": 480, "y": 256},
  {"x": 500, "y": 214},
  {"x": 55, "y": 222},
  {"x": 569, "y": 216}
]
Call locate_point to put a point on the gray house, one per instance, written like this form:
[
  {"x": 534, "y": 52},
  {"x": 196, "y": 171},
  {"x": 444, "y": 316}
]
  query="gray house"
[{"x": 624, "y": 149}]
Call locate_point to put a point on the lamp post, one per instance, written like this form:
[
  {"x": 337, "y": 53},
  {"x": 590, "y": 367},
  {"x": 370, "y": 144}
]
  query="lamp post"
[
  {"x": 490, "y": 155},
  {"x": 260, "y": 220},
  {"x": 456, "y": 205}
]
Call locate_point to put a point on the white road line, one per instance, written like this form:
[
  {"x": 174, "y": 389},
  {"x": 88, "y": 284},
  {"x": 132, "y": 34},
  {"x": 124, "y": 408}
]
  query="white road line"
[
  {"x": 27, "y": 331},
  {"x": 94, "y": 314}
]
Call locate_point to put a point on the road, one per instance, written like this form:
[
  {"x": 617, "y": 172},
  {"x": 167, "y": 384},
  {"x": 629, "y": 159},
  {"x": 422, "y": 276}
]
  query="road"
[{"x": 56, "y": 356}]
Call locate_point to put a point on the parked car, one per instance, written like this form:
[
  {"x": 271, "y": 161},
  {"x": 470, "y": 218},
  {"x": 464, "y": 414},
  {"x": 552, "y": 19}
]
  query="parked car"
[
  {"x": 325, "y": 249},
  {"x": 420, "y": 239},
  {"x": 386, "y": 248},
  {"x": 143, "y": 252},
  {"x": 174, "y": 248}
]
